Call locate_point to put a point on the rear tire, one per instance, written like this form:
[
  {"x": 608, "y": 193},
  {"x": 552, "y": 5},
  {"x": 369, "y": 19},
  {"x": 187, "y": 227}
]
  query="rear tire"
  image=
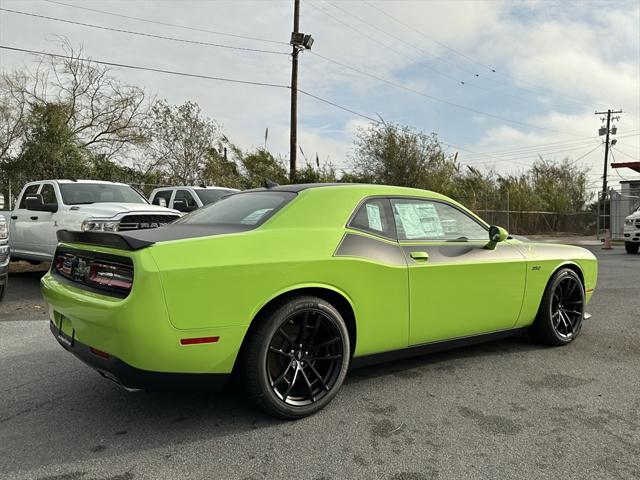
[
  {"x": 561, "y": 311},
  {"x": 632, "y": 247},
  {"x": 296, "y": 358}
]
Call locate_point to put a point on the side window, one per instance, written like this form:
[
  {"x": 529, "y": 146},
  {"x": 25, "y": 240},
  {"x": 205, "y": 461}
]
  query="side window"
[
  {"x": 375, "y": 216},
  {"x": 427, "y": 220},
  {"x": 29, "y": 190},
  {"x": 48, "y": 194},
  {"x": 187, "y": 197},
  {"x": 162, "y": 198}
]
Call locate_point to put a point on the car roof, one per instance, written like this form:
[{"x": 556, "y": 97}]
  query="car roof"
[
  {"x": 367, "y": 188},
  {"x": 66, "y": 180},
  {"x": 171, "y": 187}
]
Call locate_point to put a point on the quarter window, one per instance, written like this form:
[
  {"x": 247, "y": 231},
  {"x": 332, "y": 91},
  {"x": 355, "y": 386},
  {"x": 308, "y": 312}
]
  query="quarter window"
[
  {"x": 429, "y": 220},
  {"x": 48, "y": 194},
  {"x": 30, "y": 190},
  {"x": 162, "y": 198},
  {"x": 374, "y": 216}
]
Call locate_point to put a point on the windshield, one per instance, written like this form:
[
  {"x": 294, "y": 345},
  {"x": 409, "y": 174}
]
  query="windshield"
[
  {"x": 249, "y": 209},
  {"x": 211, "y": 196},
  {"x": 83, "y": 193}
]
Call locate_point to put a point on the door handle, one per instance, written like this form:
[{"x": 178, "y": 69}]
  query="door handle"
[
  {"x": 14, "y": 217},
  {"x": 34, "y": 218},
  {"x": 419, "y": 256}
]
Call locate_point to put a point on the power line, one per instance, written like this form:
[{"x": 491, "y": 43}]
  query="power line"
[
  {"x": 626, "y": 154},
  {"x": 149, "y": 69},
  {"x": 142, "y": 34},
  {"x": 535, "y": 153},
  {"x": 573, "y": 162},
  {"x": 458, "y": 82},
  {"x": 525, "y": 149},
  {"x": 156, "y": 22},
  {"x": 191, "y": 75},
  {"x": 470, "y": 59},
  {"x": 437, "y": 99},
  {"x": 346, "y": 109},
  {"x": 386, "y": 33}
]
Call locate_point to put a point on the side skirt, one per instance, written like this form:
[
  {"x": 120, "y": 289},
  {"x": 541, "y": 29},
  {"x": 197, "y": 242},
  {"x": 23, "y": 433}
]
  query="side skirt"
[{"x": 427, "y": 348}]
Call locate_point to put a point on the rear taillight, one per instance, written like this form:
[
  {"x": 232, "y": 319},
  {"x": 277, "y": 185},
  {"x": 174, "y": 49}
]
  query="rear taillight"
[{"x": 110, "y": 276}]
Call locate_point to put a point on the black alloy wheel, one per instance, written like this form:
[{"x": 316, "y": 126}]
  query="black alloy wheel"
[
  {"x": 296, "y": 360},
  {"x": 562, "y": 309}
]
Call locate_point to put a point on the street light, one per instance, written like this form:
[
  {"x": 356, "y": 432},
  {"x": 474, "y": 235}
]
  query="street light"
[{"x": 299, "y": 39}]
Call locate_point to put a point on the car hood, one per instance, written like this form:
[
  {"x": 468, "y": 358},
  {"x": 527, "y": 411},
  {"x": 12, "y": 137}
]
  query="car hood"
[
  {"x": 108, "y": 210},
  {"x": 634, "y": 215}
]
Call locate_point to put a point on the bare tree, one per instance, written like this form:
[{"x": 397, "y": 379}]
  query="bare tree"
[
  {"x": 13, "y": 114},
  {"x": 105, "y": 116},
  {"x": 182, "y": 141}
]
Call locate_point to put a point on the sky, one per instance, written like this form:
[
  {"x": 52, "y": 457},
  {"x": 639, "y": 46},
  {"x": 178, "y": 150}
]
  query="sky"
[{"x": 499, "y": 82}]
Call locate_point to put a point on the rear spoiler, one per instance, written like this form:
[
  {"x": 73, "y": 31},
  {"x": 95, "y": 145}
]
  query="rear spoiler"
[{"x": 103, "y": 239}]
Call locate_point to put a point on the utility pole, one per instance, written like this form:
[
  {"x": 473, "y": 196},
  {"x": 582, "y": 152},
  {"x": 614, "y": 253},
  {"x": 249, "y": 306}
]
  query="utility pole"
[
  {"x": 299, "y": 42},
  {"x": 293, "y": 123},
  {"x": 607, "y": 131}
]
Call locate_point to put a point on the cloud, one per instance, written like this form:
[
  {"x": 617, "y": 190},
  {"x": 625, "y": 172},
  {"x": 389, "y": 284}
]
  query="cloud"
[{"x": 555, "y": 63}]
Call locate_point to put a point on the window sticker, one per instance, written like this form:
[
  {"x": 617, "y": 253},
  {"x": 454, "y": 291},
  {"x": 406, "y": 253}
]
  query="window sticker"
[
  {"x": 429, "y": 219},
  {"x": 410, "y": 220},
  {"x": 373, "y": 216},
  {"x": 255, "y": 217}
]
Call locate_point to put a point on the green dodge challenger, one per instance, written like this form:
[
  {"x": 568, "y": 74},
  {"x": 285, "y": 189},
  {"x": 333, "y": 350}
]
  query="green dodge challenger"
[{"x": 290, "y": 286}]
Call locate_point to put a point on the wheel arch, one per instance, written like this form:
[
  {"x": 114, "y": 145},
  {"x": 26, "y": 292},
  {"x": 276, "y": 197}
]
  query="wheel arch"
[
  {"x": 571, "y": 266},
  {"x": 336, "y": 297}
]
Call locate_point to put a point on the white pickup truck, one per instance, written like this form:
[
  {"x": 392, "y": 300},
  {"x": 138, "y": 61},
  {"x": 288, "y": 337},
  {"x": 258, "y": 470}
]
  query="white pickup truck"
[
  {"x": 632, "y": 232},
  {"x": 46, "y": 206},
  {"x": 187, "y": 199}
]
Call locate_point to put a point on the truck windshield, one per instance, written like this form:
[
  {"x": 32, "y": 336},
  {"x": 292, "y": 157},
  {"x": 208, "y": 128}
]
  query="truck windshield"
[
  {"x": 208, "y": 196},
  {"x": 84, "y": 193},
  {"x": 248, "y": 209}
]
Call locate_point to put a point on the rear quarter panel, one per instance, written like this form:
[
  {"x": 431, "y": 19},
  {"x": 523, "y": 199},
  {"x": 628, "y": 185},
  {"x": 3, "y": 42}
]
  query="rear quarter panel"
[{"x": 225, "y": 280}]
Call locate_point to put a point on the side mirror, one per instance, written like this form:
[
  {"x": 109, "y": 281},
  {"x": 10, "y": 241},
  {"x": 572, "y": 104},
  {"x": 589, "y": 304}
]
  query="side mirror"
[
  {"x": 496, "y": 235},
  {"x": 35, "y": 203}
]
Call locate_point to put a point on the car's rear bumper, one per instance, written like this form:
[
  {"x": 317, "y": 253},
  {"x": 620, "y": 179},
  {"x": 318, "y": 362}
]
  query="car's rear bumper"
[{"x": 132, "y": 378}]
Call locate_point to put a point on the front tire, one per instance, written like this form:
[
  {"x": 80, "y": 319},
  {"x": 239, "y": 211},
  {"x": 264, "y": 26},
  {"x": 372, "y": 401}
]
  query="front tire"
[
  {"x": 632, "y": 247},
  {"x": 561, "y": 312},
  {"x": 297, "y": 358}
]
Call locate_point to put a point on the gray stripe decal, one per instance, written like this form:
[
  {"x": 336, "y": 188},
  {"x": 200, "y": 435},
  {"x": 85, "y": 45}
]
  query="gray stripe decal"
[
  {"x": 366, "y": 247},
  {"x": 457, "y": 253}
]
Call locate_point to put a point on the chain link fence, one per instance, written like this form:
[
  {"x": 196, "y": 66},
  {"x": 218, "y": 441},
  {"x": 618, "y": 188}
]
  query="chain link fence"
[{"x": 495, "y": 210}]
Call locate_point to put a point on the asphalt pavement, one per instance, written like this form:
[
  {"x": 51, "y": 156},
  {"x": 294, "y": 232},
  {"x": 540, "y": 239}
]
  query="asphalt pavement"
[{"x": 507, "y": 409}]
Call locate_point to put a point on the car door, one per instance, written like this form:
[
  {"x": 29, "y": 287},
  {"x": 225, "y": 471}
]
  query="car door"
[
  {"x": 21, "y": 237},
  {"x": 44, "y": 225},
  {"x": 457, "y": 287}
]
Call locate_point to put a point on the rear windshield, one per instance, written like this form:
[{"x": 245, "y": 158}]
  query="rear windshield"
[
  {"x": 84, "y": 193},
  {"x": 248, "y": 209},
  {"x": 211, "y": 196}
]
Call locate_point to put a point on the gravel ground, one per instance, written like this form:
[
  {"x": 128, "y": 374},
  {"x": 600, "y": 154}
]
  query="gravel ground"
[{"x": 508, "y": 409}]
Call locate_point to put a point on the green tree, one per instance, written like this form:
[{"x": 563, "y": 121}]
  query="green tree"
[
  {"x": 398, "y": 155},
  {"x": 49, "y": 150}
]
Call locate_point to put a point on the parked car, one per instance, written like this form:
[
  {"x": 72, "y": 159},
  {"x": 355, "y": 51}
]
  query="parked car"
[
  {"x": 188, "y": 199},
  {"x": 289, "y": 286},
  {"x": 44, "y": 207},
  {"x": 632, "y": 232},
  {"x": 4, "y": 256}
]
